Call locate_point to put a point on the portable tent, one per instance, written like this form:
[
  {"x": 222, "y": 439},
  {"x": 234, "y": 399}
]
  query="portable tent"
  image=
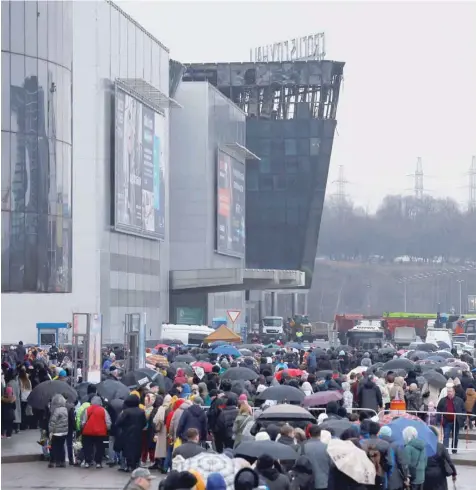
[{"x": 222, "y": 333}]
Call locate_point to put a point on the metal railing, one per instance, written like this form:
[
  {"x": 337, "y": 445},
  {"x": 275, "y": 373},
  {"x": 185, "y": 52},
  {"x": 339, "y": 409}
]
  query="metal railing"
[{"x": 441, "y": 423}]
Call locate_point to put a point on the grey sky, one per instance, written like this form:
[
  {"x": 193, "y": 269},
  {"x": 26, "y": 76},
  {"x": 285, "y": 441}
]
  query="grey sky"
[{"x": 410, "y": 78}]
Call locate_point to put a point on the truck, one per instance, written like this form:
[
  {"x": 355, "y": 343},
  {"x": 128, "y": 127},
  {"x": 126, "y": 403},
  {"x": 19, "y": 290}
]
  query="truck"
[
  {"x": 366, "y": 335},
  {"x": 272, "y": 328},
  {"x": 404, "y": 336},
  {"x": 418, "y": 321},
  {"x": 343, "y": 323},
  {"x": 315, "y": 331}
]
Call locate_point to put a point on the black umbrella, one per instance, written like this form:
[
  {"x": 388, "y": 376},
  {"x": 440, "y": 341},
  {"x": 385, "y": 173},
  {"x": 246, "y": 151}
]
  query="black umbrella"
[
  {"x": 110, "y": 389},
  {"x": 183, "y": 365},
  {"x": 387, "y": 351},
  {"x": 139, "y": 377},
  {"x": 255, "y": 449},
  {"x": 443, "y": 345},
  {"x": 418, "y": 355},
  {"x": 287, "y": 412},
  {"x": 438, "y": 359},
  {"x": 435, "y": 379},
  {"x": 320, "y": 353},
  {"x": 251, "y": 347},
  {"x": 443, "y": 353},
  {"x": 454, "y": 373},
  {"x": 337, "y": 426},
  {"x": 374, "y": 367},
  {"x": 282, "y": 394},
  {"x": 185, "y": 358},
  {"x": 401, "y": 363},
  {"x": 82, "y": 389},
  {"x": 269, "y": 352},
  {"x": 239, "y": 373},
  {"x": 428, "y": 366},
  {"x": 295, "y": 345},
  {"x": 42, "y": 394},
  {"x": 427, "y": 347}
]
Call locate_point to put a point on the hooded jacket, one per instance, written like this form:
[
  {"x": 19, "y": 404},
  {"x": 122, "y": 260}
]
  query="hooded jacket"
[
  {"x": 193, "y": 418},
  {"x": 129, "y": 427},
  {"x": 58, "y": 423},
  {"x": 180, "y": 377},
  {"x": 273, "y": 478},
  {"x": 416, "y": 458},
  {"x": 396, "y": 388},
  {"x": 302, "y": 475},
  {"x": 226, "y": 419},
  {"x": 95, "y": 420},
  {"x": 174, "y": 423}
]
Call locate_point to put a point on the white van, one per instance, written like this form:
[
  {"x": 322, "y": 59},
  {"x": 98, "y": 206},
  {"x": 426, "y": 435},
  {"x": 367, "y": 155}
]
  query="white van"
[
  {"x": 435, "y": 335},
  {"x": 188, "y": 334}
]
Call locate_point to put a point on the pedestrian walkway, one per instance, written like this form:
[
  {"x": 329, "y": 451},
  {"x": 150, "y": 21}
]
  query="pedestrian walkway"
[{"x": 22, "y": 447}]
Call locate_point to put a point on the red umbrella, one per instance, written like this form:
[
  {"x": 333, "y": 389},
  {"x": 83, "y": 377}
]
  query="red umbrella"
[
  {"x": 162, "y": 346},
  {"x": 206, "y": 366},
  {"x": 294, "y": 373}
]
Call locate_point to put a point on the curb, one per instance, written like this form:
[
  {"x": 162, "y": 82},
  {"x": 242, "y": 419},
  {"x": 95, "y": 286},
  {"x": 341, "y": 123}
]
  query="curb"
[
  {"x": 21, "y": 458},
  {"x": 463, "y": 462}
]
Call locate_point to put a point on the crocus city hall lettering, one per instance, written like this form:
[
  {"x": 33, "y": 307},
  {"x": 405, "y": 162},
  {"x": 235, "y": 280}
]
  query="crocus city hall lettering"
[{"x": 310, "y": 47}]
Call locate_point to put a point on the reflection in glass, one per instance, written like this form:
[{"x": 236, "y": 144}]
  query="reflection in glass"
[
  {"x": 66, "y": 107},
  {"x": 67, "y": 177},
  {"x": 31, "y": 254},
  {"x": 6, "y": 182},
  {"x": 59, "y": 32},
  {"x": 123, "y": 38},
  {"x": 17, "y": 96},
  {"x": 5, "y": 90},
  {"x": 52, "y": 26},
  {"x": 18, "y": 171},
  {"x": 5, "y": 251},
  {"x": 17, "y": 27},
  {"x": 17, "y": 251},
  {"x": 31, "y": 174},
  {"x": 51, "y": 176},
  {"x": 31, "y": 95},
  {"x": 59, "y": 176},
  {"x": 42, "y": 98}
]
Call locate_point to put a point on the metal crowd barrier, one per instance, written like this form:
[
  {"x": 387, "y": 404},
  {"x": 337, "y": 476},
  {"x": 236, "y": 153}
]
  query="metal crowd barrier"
[{"x": 439, "y": 424}]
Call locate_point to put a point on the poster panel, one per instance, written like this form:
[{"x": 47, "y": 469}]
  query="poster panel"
[
  {"x": 230, "y": 206},
  {"x": 94, "y": 349},
  {"x": 139, "y": 169}
]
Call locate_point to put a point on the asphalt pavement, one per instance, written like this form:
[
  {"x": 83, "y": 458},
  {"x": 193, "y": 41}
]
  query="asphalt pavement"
[{"x": 37, "y": 475}]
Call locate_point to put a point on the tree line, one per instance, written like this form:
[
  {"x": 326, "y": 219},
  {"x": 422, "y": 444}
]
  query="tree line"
[{"x": 429, "y": 230}]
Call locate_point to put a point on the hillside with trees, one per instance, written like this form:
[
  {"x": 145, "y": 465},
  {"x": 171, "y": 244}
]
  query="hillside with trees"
[{"x": 421, "y": 253}]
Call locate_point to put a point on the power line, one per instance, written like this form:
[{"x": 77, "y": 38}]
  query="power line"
[{"x": 341, "y": 182}]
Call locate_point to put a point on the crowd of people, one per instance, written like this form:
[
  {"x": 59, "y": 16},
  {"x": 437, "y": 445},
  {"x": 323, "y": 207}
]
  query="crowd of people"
[{"x": 189, "y": 410}]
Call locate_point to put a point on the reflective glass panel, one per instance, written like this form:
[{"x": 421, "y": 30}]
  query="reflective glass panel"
[
  {"x": 31, "y": 95},
  {"x": 5, "y": 26},
  {"x": 42, "y": 98},
  {"x": 67, "y": 175},
  {"x": 17, "y": 251},
  {"x": 17, "y": 93},
  {"x": 18, "y": 171},
  {"x": 131, "y": 50},
  {"x": 17, "y": 27},
  {"x": 52, "y": 29},
  {"x": 31, "y": 34},
  {"x": 32, "y": 173},
  {"x": 31, "y": 255},
  {"x": 5, "y": 90},
  {"x": 6, "y": 180},
  {"x": 5, "y": 251},
  {"x": 43, "y": 29}
]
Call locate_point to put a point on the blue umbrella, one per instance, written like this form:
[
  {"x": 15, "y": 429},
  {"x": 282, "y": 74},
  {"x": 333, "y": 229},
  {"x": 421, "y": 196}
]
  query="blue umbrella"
[
  {"x": 227, "y": 350},
  {"x": 438, "y": 359},
  {"x": 424, "y": 433},
  {"x": 218, "y": 343}
]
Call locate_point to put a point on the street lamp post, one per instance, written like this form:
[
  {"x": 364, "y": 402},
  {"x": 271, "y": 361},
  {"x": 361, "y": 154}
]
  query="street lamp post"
[
  {"x": 460, "y": 282},
  {"x": 405, "y": 295}
]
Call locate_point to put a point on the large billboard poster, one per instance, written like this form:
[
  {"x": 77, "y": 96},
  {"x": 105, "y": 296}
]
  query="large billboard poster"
[
  {"x": 230, "y": 205},
  {"x": 139, "y": 169}
]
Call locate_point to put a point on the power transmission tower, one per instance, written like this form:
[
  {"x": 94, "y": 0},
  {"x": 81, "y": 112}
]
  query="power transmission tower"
[
  {"x": 472, "y": 185},
  {"x": 340, "y": 183},
  {"x": 419, "y": 179}
]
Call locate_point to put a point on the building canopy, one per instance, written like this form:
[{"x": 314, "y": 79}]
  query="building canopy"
[{"x": 222, "y": 333}]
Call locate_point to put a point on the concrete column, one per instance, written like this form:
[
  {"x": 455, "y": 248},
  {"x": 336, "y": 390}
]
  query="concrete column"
[
  {"x": 294, "y": 306},
  {"x": 306, "y": 297},
  {"x": 274, "y": 303}
]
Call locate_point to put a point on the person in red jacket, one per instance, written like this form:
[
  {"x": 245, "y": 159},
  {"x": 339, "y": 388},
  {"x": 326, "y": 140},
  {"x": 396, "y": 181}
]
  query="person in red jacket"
[{"x": 95, "y": 423}]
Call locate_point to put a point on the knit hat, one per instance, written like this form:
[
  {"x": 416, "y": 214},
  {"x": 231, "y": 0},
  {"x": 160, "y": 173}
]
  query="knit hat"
[
  {"x": 264, "y": 462},
  {"x": 246, "y": 479},
  {"x": 215, "y": 481},
  {"x": 198, "y": 400},
  {"x": 62, "y": 374},
  {"x": 243, "y": 398},
  {"x": 385, "y": 431},
  {"x": 200, "y": 485}
]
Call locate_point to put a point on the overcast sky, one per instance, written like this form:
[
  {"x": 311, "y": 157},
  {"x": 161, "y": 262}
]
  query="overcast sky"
[{"x": 409, "y": 88}]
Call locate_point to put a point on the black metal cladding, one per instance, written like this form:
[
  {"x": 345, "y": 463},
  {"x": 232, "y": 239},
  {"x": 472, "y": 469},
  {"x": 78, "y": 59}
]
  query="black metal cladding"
[{"x": 291, "y": 109}]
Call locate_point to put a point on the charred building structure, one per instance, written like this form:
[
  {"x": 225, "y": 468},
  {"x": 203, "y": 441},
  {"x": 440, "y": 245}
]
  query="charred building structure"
[{"x": 291, "y": 112}]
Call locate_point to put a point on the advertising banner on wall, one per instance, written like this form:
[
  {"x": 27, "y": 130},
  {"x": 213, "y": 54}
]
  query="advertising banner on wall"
[
  {"x": 138, "y": 169},
  {"x": 94, "y": 349},
  {"x": 230, "y": 205}
]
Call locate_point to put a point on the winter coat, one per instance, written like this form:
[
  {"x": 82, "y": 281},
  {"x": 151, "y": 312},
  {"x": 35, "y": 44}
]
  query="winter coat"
[
  {"x": 370, "y": 396},
  {"x": 189, "y": 450},
  {"x": 302, "y": 475},
  {"x": 193, "y": 418},
  {"x": 288, "y": 441},
  {"x": 160, "y": 432},
  {"x": 470, "y": 400},
  {"x": 58, "y": 422},
  {"x": 415, "y": 453},
  {"x": 273, "y": 479},
  {"x": 459, "y": 408},
  {"x": 242, "y": 421},
  {"x": 225, "y": 422},
  {"x": 413, "y": 401},
  {"x": 174, "y": 423},
  {"x": 316, "y": 451},
  {"x": 435, "y": 474},
  {"x": 396, "y": 388},
  {"x": 95, "y": 420},
  {"x": 399, "y": 472},
  {"x": 8, "y": 409},
  {"x": 129, "y": 427},
  {"x": 17, "y": 394}
]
